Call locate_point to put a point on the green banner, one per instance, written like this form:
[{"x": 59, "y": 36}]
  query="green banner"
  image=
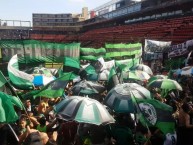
[
  {"x": 120, "y": 50},
  {"x": 30, "y": 51},
  {"x": 92, "y": 53}
]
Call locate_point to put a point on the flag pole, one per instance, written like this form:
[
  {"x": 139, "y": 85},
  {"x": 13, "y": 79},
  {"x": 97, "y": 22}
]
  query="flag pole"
[{"x": 13, "y": 132}]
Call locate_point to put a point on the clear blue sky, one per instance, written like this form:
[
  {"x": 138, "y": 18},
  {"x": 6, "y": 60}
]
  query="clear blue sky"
[{"x": 23, "y": 9}]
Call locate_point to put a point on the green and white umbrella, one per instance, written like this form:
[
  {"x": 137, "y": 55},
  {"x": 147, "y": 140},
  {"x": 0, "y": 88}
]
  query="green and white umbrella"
[
  {"x": 144, "y": 68},
  {"x": 87, "y": 88},
  {"x": 156, "y": 77},
  {"x": 83, "y": 109},
  {"x": 121, "y": 98},
  {"x": 136, "y": 75},
  {"x": 166, "y": 84}
]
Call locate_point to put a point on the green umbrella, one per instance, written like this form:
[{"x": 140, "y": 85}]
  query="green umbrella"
[
  {"x": 136, "y": 75},
  {"x": 83, "y": 109},
  {"x": 121, "y": 98},
  {"x": 166, "y": 84},
  {"x": 87, "y": 88},
  {"x": 7, "y": 112},
  {"x": 153, "y": 78},
  {"x": 128, "y": 75},
  {"x": 144, "y": 68}
]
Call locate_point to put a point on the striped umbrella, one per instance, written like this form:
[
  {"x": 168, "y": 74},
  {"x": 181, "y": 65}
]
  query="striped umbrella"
[
  {"x": 87, "y": 88},
  {"x": 186, "y": 71},
  {"x": 153, "y": 78},
  {"x": 136, "y": 75},
  {"x": 166, "y": 84},
  {"x": 83, "y": 109},
  {"x": 120, "y": 98},
  {"x": 144, "y": 68}
]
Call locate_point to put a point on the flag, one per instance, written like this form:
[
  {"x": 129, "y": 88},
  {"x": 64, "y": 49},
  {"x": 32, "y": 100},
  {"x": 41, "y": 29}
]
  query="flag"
[
  {"x": 53, "y": 89},
  {"x": 112, "y": 79},
  {"x": 89, "y": 70},
  {"x": 93, "y": 69},
  {"x": 155, "y": 113},
  {"x": 71, "y": 65},
  {"x": 19, "y": 79},
  {"x": 7, "y": 112},
  {"x": 5, "y": 86}
]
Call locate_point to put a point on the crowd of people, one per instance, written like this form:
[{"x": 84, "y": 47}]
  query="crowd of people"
[{"x": 39, "y": 125}]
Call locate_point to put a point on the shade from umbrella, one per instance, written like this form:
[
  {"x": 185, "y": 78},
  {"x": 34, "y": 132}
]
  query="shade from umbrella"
[
  {"x": 120, "y": 98},
  {"x": 153, "y": 78},
  {"x": 83, "y": 109},
  {"x": 7, "y": 112},
  {"x": 144, "y": 68},
  {"x": 87, "y": 88},
  {"x": 167, "y": 84}
]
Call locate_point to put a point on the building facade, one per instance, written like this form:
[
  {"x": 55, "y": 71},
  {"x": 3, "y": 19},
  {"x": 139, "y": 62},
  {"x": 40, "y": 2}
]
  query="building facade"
[{"x": 67, "y": 19}]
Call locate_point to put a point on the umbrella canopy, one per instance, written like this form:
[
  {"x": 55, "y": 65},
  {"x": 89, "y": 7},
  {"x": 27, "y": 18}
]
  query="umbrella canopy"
[
  {"x": 83, "y": 109},
  {"x": 153, "y": 78},
  {"x": 136, "y": 75},
  {"x": 41, "y": 80},
  {"x": 7, "y": 112},
  {"x": 128, "y": 75},
  {"x": 87, "y": 88},
  {"x": 144, "y": 68},
  {"x": 166, "y": 84},
  {"x": 39, "y": 71},
  {"x": 186, "y": 71},
  {"x": 120, "y": 98}
]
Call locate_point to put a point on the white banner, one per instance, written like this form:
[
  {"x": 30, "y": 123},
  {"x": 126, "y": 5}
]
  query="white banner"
[
  {"x": 156, "y": 46},
  {"x": 180, "y": 49}
]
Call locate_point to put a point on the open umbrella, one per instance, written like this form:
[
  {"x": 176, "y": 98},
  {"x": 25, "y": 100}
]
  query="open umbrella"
[
  {"x": 166, "y": 84},
  {"x": 87, "y": 88},
  {"x": 39, "y": 71},
  {"x": 83, "y": 109},
  {"x": 153, "y": 78},
  {"x": 7, "y": 112},
  {"x": 41, "y": 80},
  {"x": 186, "y": 71},
  {"x": 144, "y": 68},
  {"x": 120, "y": 98},
  {"x": 136, "y": 75},
  {"x": 128, "y": 75}
]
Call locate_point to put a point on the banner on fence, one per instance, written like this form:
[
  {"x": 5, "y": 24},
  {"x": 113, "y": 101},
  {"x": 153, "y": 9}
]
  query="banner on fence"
[
  {"x": 156, "y": 46},
  {"x": 180, "y": 49},
  {"x": 33, "y": 50},
  {"x": 92, "y": 53},
  {"x": 120, "y": 50}
]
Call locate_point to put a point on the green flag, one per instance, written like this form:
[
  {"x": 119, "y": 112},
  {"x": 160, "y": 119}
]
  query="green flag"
[
  {"x": 112, "y": 79},
  {"x": 89, "y": 70},
  {"x": 19, "y": 79},
  {"x": 53, "y": 89},
  {"x": 7, "y": 112},
  {"x": 155, "y": 113},
  {"x": 71, "y": 65}
]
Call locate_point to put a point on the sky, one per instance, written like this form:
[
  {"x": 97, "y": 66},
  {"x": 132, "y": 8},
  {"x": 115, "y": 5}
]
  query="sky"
[{"x": 23, "y": 9}]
